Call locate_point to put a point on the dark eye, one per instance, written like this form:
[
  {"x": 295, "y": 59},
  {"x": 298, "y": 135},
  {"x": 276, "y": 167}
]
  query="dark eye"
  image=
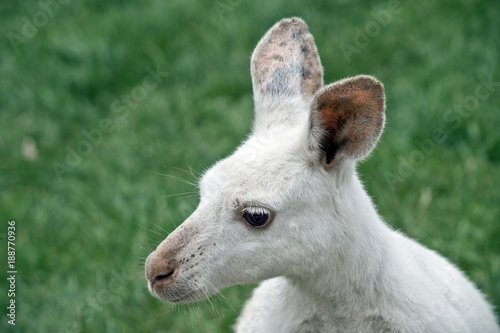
[{"x": 256, "y": 217}]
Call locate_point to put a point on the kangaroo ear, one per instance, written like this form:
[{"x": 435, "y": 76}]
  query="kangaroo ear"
[
  {"x": 347, "y": 118},
  {"x": 285, "y": 65}
]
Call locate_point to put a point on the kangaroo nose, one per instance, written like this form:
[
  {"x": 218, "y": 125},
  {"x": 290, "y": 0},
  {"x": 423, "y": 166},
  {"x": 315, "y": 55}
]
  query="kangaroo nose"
[
  {"x": 160, "y": 271},
  {"x": 164, "y": 275}
]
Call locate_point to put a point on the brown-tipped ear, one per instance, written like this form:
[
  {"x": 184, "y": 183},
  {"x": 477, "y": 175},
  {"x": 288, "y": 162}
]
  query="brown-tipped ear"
[
  {"x": 286, "y": 63},
  {"x": 347, "y": 118}
]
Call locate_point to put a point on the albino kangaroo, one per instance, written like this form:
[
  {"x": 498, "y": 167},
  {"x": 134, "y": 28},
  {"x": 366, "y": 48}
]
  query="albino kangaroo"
[{"x": 288, "y": 209}]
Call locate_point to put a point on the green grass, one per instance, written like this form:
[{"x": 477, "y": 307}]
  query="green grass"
[{"x": 82, "y": 236}]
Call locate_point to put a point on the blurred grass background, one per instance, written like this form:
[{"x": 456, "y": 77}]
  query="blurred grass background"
[{"x": 85, "y": 226}]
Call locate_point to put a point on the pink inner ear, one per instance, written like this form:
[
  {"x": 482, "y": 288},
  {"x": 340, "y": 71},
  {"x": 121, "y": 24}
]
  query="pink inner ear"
[
  {"x": 334, "y": 117},
  {"x": 352, "y": 115}
]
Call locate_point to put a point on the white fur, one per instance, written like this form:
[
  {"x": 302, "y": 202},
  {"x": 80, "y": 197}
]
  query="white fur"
[{"x": 327, "y": 261}]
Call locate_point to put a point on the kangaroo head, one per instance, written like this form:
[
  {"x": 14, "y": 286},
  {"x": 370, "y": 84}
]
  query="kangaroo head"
[{"x": 271, "y": 208}]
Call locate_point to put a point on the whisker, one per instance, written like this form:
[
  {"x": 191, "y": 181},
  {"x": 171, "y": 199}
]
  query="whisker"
[
  {"x": 171, "y": 219},
  {"x": 153, "y": 231},
  {"x": 189, "y": 172},
  {"x": 192, "y": 171},
  {"x": 188, "y": 197},
  {"x": 223, "y": 298},
  {"x": 182, "y": 180},
  {"x": 211, "y": 307},
  {"x": 159, "y": 227},
  {"x": 140, "y": 260},
  {"x": 178, "y": 194},
  {"x": 226, "y": 301},
  {"x": 145, "y": 249}
]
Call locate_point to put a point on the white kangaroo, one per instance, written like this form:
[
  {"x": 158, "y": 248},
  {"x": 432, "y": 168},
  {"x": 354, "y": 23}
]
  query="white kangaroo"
[{"x": 288, "y": 209}]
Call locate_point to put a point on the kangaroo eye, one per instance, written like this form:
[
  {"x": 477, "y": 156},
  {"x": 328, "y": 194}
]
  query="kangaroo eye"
[{"x": 256, "y": 217}]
